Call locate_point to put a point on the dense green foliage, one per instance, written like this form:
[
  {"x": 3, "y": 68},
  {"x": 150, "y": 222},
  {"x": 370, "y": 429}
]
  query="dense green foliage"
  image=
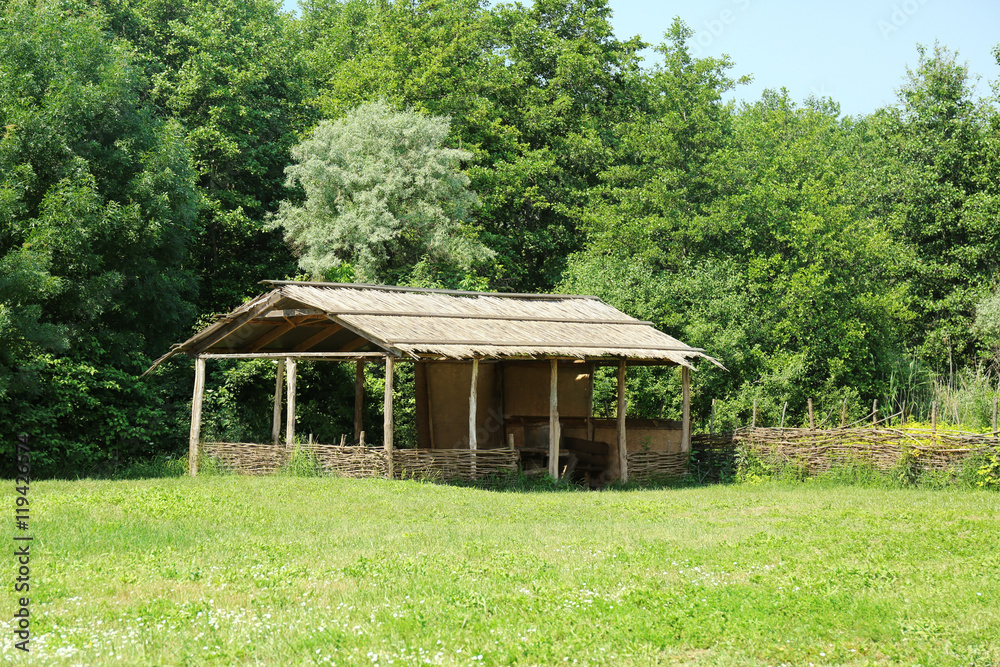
[{"x": 150, "y": 150}]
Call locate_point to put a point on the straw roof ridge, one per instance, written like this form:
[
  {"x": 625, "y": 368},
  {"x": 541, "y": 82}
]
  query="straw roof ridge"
[{"x": 297, "y": 317}]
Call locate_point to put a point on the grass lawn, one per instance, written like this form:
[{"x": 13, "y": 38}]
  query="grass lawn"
[{"x": 302, "y": 571}]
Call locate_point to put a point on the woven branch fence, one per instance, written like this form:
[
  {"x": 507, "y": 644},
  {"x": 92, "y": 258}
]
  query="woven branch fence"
[
  {"x": 365, "y": 462},
  {"x": 453, "y": 464},
  {"x": 883, "y": 448},
  {"x": 644, "y": 466}
]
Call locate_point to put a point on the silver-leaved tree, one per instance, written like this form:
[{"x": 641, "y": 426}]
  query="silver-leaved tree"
[{"x": 385, "y": 201}]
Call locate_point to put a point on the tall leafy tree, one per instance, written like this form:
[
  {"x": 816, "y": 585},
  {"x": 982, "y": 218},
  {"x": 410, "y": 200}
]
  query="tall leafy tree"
[
  {"x": 532, "y": 91},
  {"x": 383, "y": 199},
  {"x": 98, "y": 208},
  {"x": 230, "y": 74}
]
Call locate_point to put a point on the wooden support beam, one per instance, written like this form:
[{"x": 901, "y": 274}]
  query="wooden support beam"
[
  {"x": 387, "y": 414},
  {"x": 686, "y": 423},
  {"x": 225, "y": 329},
  {"x": 622, "y": 435},
  {"x": 279, "y": 385},
  {"x": 473, "y": 405},
  {"x": 318, "y": 356},
  {"x": 196, "y": 401},
  {"x": 753, "y": 418},
  {"x": 355, "y": 344},
  {"x": 274, "y": 334},
  {"x": 359, "y": 399},
  {"x": 291, "y": 375},
  {"x": 590, "y": 404},
  {"x": 843, "y": 414},
  {"x": 317, "y": 338},
  {"x": 554, "y": 418},
  {"x": 812, "y": 419}
]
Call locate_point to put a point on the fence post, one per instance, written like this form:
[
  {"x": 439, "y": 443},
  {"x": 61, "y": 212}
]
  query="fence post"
[
  {"x": 812, "y": 419},
  {"x": 783, "y": 408},
  {"x": 874, "y": 412},
  {"x": 753, "y": 419},
  {"x": 711, "y": 422},
  {"x": 996, "y": 400},
  {"x": 843, "y": 414}
]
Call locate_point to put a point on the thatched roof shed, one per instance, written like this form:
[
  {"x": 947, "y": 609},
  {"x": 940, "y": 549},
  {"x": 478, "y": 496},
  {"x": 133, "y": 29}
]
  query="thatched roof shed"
[
  {"x": 447, "y": 334},
  {"x": 297, "y": 317}
]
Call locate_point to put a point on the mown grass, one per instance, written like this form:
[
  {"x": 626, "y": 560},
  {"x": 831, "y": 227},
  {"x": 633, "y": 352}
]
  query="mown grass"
[{"x": 302, "y": 571}]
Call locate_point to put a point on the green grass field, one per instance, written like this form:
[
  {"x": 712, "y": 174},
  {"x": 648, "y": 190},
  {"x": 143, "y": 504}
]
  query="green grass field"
[{"x": 302, "y": 571}]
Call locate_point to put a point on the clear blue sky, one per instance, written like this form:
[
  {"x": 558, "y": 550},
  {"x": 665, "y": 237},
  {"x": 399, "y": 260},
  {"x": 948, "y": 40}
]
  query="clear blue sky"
[{"x": 855, "y": 51}]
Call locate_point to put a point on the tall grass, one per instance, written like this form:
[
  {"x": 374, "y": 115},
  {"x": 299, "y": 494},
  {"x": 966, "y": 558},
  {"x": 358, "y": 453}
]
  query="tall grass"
[{"x": 963, "y": 399}]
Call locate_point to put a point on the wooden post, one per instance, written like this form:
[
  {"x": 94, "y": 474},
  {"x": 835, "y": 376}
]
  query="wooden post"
[
  {"x": 361, "y": 439},
  {"x": 387, "y": 415},
  {"x": 590, "y": 404},
  {"x": 510, "y": 441},
  {"x": 291, "y": 374},
  {"x": 686, "y": 411},
  {"x": 196, "y": 401},
  {"x": 874, "y": 412},
  {"x": 473, "y": 407},
  {"x": 843, "y": 414},
  {"x": 996, "y": 401},
  {"x": 753, "y": 418},
  {"x": 279, "y": 385},
  {"x": 783, "y": 408},
  {"x": 711, "y": 421},
  {"x": 622, "y": 435},
  {"x": 554, "y": 418},
  {"x": 473, "y": 444},
  {"x": 359, "y": 399},
  {"x": 812, "y": 418},
  {"x": 933, "y": 416}
]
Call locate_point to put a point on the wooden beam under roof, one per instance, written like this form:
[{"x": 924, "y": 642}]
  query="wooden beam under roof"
[
  {"x": 225, "y": 329},
  {"x": 270, "y": 336},
  {"x": 317, "y": 338}
]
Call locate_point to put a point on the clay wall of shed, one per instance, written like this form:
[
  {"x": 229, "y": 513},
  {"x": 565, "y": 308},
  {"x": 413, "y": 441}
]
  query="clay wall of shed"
[{"x": 442, "y": 405}]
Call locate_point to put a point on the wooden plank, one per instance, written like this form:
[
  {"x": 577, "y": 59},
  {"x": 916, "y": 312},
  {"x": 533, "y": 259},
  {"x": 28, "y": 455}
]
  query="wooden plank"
[
  {"x": 291, "y": 376},
  {"x": 686, "y": 419},
  {"x": 359, "y": 399},
  {"x": 483, "y": 316},
  {"x": 622, "y": 408},
  {"x": 279, "y": 383},
  {"x": 277, "y": 332},
  {"x": 493, "y": 342},
  {"x": 554, "y": 418},
  {"x": 319, "y": 356},
  {"x": 196, "y": 401},
  {"x": 317, "y": 338},
  {"x": 473, "y": 444},
  {"x": 387, "y": 414},
  {"x": 292, "y": 312},
  {"x": 587, "y": 446}
]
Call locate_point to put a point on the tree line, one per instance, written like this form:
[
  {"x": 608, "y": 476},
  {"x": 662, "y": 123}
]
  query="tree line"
[{"x": 160, "y": 157}]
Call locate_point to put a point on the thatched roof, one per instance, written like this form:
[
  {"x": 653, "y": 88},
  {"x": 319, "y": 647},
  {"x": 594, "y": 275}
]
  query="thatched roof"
[{"x": 334, "y": 318}]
